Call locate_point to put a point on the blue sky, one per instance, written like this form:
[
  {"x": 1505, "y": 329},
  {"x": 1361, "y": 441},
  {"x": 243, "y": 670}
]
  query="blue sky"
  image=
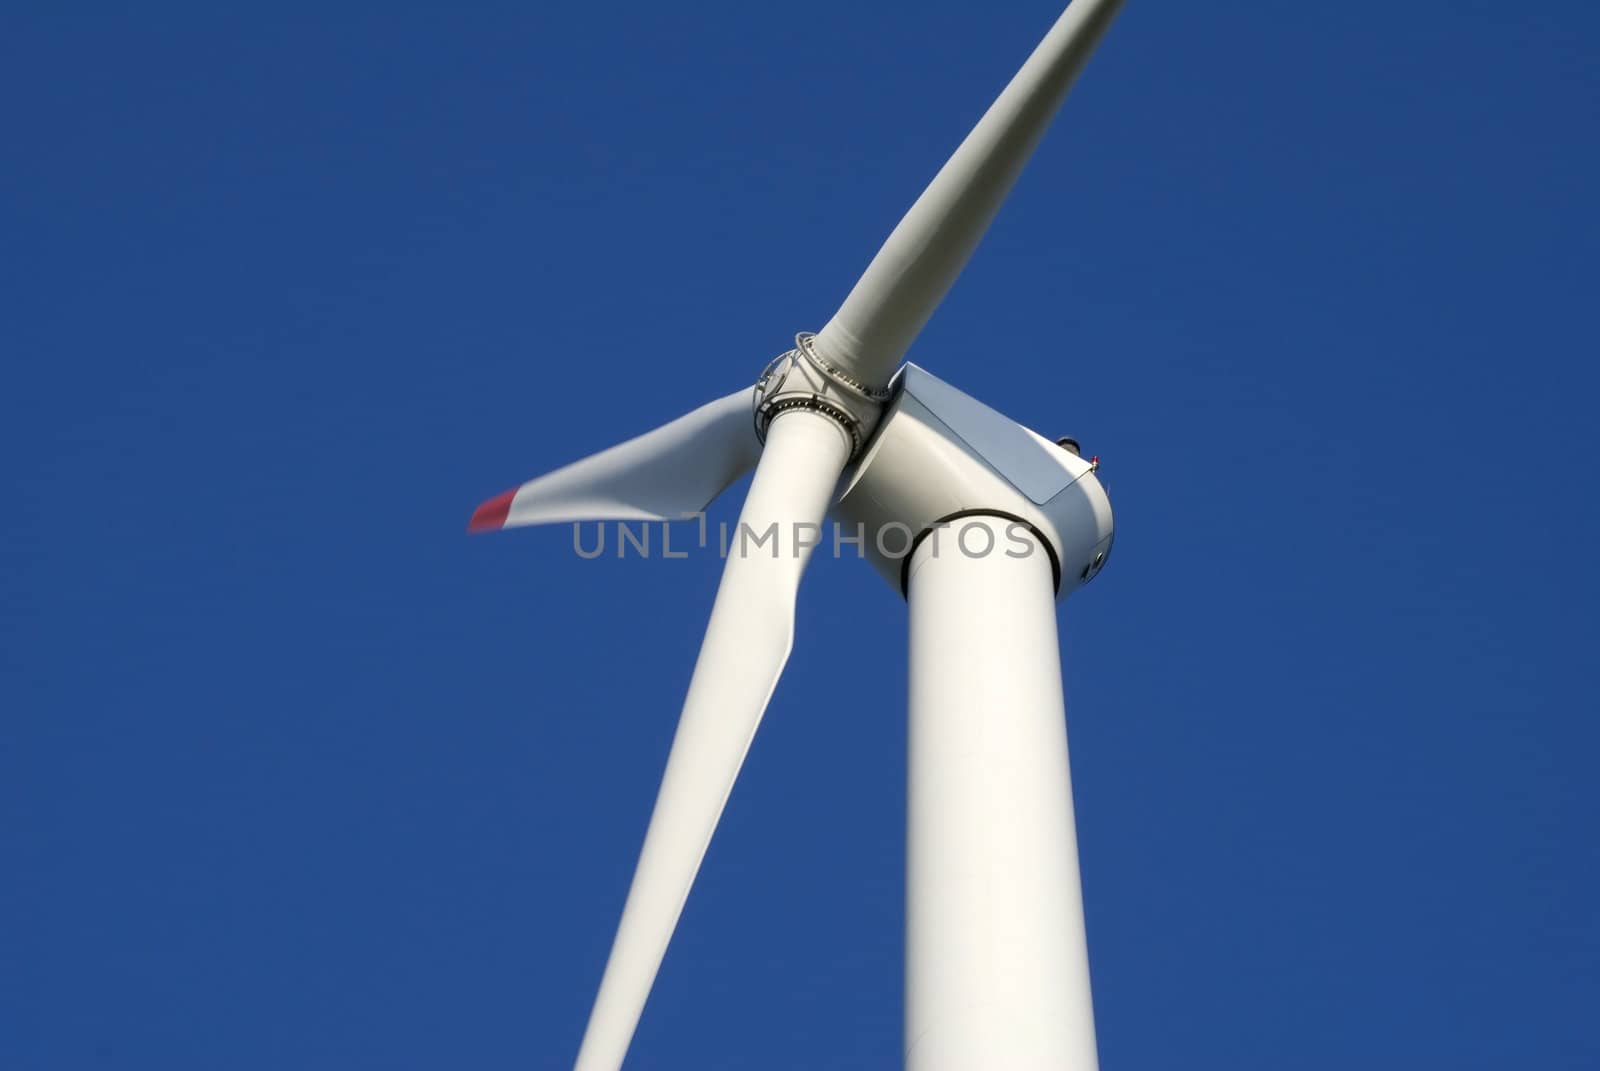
[{"x": 295, "y": 774}]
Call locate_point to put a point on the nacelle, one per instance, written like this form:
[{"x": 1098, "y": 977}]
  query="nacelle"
[{"x": 940, "y": 456}]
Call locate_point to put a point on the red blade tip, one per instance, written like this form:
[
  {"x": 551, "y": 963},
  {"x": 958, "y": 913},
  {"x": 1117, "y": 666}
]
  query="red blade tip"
[{"x": 491, "y": 516}]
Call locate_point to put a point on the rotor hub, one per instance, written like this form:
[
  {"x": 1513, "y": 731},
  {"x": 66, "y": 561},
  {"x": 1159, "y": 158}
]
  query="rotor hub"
[{"x": 801, "y": 379}]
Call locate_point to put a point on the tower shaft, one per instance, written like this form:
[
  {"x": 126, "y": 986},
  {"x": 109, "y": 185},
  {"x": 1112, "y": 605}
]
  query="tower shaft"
[{"x": 997, "y": 970}]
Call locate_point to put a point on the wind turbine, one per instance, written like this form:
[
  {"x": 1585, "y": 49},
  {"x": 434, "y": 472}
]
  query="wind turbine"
[{"x": 983, "y": 525}]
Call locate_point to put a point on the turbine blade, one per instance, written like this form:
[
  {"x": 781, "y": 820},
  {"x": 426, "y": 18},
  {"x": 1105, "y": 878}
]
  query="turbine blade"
[
  {"x": 746, "y": 645},
  {"x": 676, "y": 469},
  {"x": 927, "y": 250}
]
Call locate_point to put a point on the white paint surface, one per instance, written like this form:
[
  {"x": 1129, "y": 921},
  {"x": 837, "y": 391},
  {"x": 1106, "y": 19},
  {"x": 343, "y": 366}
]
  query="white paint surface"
[{"x": 997, "y": 971}]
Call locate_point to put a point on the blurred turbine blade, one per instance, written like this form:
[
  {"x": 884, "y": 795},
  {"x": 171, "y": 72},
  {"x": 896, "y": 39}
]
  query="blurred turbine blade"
[
  {"x": 746, "y": 645},
  {"x": 664, "y": 474},
  {"x": 908, "y": 278}
]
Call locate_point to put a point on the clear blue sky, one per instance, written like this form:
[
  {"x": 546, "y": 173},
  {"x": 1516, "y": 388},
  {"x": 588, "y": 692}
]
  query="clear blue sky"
[{"x": 294, "y": 774}]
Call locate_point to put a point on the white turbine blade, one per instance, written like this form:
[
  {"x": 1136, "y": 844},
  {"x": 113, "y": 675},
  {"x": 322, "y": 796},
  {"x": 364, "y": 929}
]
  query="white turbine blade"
[
  {"x": 746, "y": 645},
  {"x": 927, "y": 250},
  {"x": 662, "y": 475}
]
